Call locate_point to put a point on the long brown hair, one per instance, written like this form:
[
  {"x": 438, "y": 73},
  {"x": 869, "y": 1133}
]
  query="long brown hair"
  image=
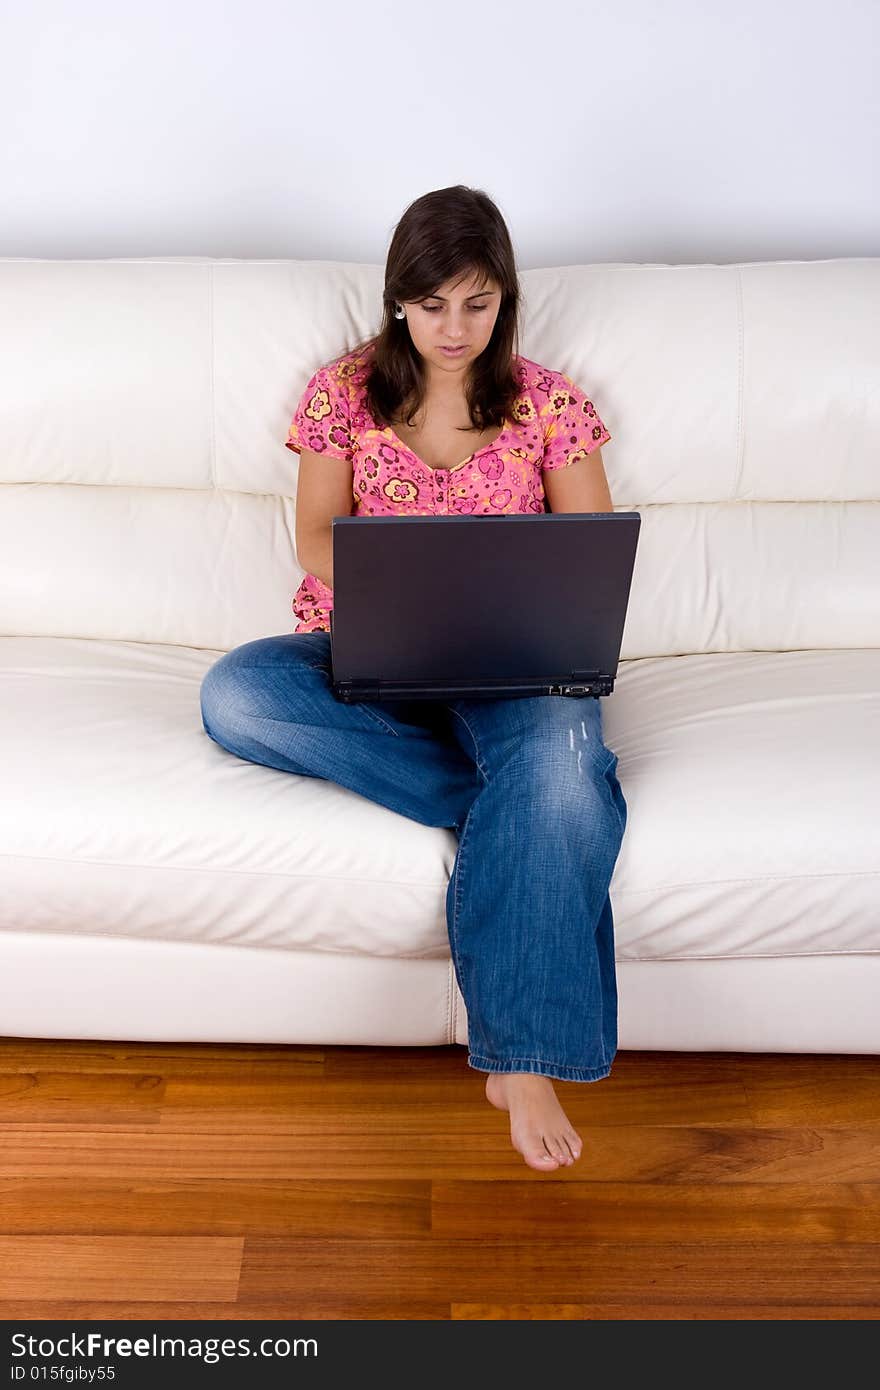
[{"x": 444, "y": 235}]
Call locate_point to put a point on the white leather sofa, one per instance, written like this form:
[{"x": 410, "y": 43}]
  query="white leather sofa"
[{"x": 154, "y": 886}]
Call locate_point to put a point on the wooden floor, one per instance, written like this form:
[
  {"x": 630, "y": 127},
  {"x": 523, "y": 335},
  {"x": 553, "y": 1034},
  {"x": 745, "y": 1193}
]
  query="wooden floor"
[{"x": 162, "y": 1180}]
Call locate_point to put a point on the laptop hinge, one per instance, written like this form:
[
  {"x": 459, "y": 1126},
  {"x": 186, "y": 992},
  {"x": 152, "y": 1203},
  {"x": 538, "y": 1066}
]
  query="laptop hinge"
[{"x": 591, "y": 683}]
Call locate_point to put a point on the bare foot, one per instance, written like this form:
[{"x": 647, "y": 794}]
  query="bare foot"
[{"x": 539, "y": 1126}]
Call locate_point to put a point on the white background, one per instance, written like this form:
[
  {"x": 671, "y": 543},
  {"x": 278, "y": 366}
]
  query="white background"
[{"x": 627, "y": 131}]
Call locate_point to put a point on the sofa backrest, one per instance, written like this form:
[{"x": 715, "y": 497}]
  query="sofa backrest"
[{"x": 147, "y": 494}]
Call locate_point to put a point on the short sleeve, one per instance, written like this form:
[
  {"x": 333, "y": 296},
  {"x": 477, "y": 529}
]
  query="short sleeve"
[
  {"x": 312, "y": 604},
  {"x": 322, "y": 421},
  {"x": 572, "y": 425}
]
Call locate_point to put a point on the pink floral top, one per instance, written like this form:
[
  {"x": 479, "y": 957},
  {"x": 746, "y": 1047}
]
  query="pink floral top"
[{"x": 553, "y": 425}]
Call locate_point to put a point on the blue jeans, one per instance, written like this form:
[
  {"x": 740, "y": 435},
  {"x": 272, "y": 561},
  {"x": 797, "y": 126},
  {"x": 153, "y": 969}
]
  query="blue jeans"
[{"x": 530, "y": 788}]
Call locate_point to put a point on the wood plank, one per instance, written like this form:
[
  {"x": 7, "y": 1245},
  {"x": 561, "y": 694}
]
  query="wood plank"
[
  {"x": 665, "y": 1312},
  {"x": 597, "y": 1272},
  {"x": 100, "y": 1056},
  {"x": 220, "y": 1097},
  {"x": 39, "y": 1268},
  {"x": 659, "y": 1213},
  {"x": 139, "y": 1206},
  {"x": 278, "y": 1308},
  {"x": 66, "y": 1097},
  {"x": 315, "y": 1148},
  {"x": 823, "y": 1095},
  {"x": 304, "y": 1309},
  {"x": 413, "y": 1102},
  {"x": 644, "y": 1088}
]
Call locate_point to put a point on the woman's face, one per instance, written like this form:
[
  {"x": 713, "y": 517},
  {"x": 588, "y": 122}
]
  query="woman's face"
[{"x": 461, "y": 314}]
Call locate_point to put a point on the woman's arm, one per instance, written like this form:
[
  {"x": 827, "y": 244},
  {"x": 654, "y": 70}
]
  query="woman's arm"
[{"x": 581, "y": 487}]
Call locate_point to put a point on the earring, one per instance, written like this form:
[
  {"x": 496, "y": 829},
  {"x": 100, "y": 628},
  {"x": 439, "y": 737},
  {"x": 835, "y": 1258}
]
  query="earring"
[{"x": 399, "y": 312}]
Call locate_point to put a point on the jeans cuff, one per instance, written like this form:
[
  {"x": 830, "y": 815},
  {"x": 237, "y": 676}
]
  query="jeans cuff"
[{"x": 538, "y": 1068}]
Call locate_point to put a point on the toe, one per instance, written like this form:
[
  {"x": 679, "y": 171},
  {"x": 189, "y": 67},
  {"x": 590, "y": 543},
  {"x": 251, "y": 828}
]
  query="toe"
[
  {"x": 574, "y": 1144},
  {"x": 556, "y": 1148},
  {"x": 540, "y": 1158},
  {"x": 564, "y": 1154}
]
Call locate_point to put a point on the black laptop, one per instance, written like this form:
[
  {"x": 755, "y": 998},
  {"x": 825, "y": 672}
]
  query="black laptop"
[{"x": 479, "y": 607}]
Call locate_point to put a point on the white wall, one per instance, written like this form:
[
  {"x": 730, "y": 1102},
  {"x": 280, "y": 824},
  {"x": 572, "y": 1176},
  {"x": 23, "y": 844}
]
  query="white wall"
[{"x": 624, "y": 131}]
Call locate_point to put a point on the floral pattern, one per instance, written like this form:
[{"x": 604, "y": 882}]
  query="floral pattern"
[{"x": 553, "y": 425}]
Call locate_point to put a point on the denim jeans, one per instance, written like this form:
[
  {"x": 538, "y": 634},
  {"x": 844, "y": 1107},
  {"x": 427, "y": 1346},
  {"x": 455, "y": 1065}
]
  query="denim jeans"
[{"x": 531, "y": 791}]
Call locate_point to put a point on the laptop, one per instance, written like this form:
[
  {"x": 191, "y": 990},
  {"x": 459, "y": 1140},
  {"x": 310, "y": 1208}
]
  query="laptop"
[{"x": 479, "y": 607}]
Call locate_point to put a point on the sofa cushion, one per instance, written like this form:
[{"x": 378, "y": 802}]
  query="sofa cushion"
[{"x": 752, "y": 781}]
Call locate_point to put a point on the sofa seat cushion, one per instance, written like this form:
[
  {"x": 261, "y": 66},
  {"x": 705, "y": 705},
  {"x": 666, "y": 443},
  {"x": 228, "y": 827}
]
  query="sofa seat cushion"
[
  {"x": 751, "y": 827},
  {"x": 752, "y": 782}
]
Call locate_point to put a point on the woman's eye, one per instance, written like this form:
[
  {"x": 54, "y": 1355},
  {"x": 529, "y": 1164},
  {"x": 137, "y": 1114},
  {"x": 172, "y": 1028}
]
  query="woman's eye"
[{"x": 435, "y": 308}]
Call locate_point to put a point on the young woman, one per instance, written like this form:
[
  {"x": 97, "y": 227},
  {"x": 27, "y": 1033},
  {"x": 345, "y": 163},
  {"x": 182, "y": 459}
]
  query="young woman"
[{"x": 528, "y": 784}]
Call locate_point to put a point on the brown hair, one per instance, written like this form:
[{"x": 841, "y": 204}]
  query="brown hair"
[{"x": 448, "y": 233}]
